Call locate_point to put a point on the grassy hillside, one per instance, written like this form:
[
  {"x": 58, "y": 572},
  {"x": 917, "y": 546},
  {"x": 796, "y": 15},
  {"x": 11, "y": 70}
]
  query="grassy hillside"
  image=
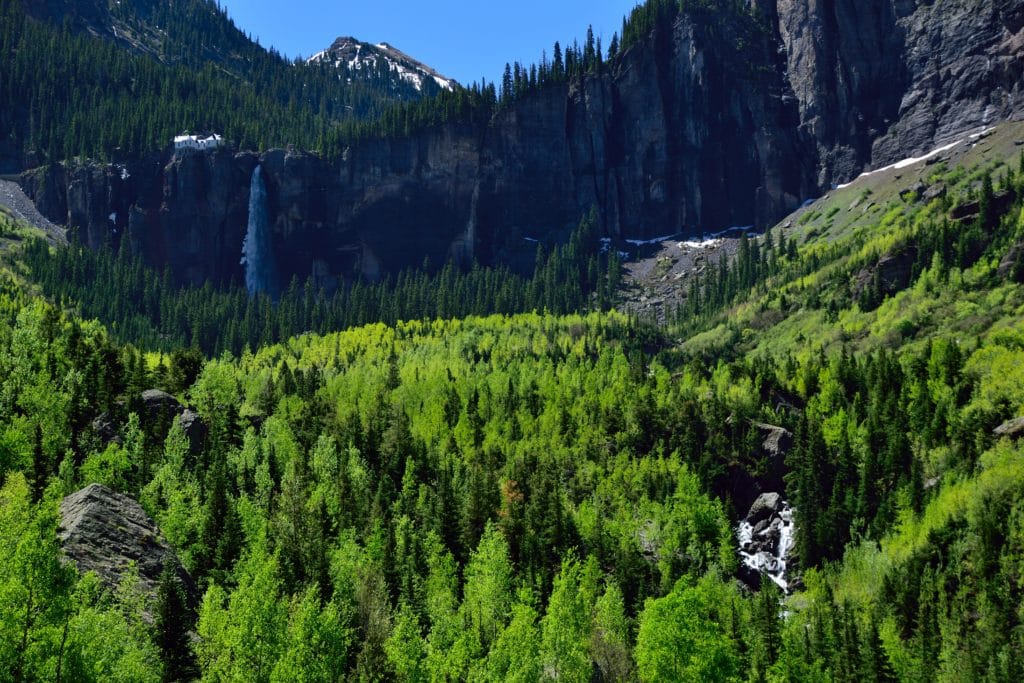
[{"x": 940, "y": 263}]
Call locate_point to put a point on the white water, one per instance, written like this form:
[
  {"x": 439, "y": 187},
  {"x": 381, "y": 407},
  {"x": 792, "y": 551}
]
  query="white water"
[
  {"x": 772, "y": 564},
  {"x": 257, "y": 251}
]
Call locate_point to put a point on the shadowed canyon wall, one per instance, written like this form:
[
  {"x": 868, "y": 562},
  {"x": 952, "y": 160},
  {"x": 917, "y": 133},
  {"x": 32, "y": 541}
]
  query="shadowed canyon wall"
[{"x": 704, "y": 125}]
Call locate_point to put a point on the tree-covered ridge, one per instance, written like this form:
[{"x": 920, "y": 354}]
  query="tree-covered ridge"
[
  {"x": 185, "y": 31},
  {"x": 142, "y": 307},
  {"x": 198, "y": 72},
  {"x": 126, "y": 104}
]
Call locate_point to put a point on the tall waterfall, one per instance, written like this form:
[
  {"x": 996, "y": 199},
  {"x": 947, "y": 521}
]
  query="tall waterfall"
[{"x": 257, "y": 250}]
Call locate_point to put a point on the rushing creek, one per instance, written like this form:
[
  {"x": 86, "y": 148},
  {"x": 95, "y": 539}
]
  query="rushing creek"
[{"x": 766, "y": 544}]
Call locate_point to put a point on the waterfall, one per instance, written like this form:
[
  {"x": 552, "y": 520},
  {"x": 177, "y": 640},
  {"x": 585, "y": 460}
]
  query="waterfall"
[
  {"x": 765, "y": 547},
  {"x": 257, "y": 250}
]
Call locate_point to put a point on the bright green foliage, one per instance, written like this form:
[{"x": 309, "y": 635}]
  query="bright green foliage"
[
  {"x": 545, "y": 496},
  {"x": 316, "y": 643},
  {"x": 487, "y": 596},
  {"x": 35, "y": 588},
  {"x": 406, "y": 648},
  {"x": 566, "y": 629},
  {"x": 243, "y": 635},
  {"x": 681, "y": 637},
  {"x": 515, "y": 654},
  {"x": 610, "y": 644},
  {"x": 106, "y": 641},
  {"x": 111, "y": 467}
]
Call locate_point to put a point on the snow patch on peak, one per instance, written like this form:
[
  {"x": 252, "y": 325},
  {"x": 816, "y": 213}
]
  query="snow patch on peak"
[{"x": 356, "y": 56}]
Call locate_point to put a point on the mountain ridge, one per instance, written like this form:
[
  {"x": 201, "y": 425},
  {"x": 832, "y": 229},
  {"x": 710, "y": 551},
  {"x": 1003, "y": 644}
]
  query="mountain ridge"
[
  {"x": 187, "y": 31},
  {"x": 348, "y": 51},
  {"x": 711, "y": 118}
]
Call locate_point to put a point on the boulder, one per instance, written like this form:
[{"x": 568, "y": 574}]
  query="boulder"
[
  {"x": 108, "y": 533},
  {"x": 157, "y": 402},
  {"x": 1012, "y": 264},
  {"x": 1013, "y": 429},
  {"x": 777, "y": 440},
  {"x": 893, "y": 269},
  {"x": 104, "y": 428},
  {"x": 914, "y": 193},
  {"x": 749, "y": 577},
  {"x": 761, "y": 526},
  {"x": 782, "y": 400},
  {"x": 195, "y": 429},
  {"x": 934, "y": 192},
  {"x": 766, "y": 505},
  {"x": 1001, "y": 203}
]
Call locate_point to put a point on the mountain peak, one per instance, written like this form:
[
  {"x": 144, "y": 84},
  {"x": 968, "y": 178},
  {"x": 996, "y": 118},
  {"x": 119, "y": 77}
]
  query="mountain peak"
[{"x": 356, "y": 55}]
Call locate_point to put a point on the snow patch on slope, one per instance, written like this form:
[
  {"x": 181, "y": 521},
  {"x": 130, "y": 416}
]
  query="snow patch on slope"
[{"x": 910, "y": 161}]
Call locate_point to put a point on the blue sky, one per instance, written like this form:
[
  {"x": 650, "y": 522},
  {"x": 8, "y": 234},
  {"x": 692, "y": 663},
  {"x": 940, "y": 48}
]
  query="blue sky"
[{"x": 463, "y": 39}]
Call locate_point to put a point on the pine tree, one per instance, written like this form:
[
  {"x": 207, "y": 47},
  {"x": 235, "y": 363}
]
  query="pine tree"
[
  {"x": 875, "y": 666},
  {"x": 40, "y": 466},
  {"x": 173, "y": 621},
  {"x": 767, "y": 629}
]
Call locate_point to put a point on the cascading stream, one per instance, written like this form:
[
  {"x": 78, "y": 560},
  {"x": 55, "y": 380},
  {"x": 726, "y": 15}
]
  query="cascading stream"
[
  {"x": 257, "y": 250},
  {"x": 765, "y": 546}
]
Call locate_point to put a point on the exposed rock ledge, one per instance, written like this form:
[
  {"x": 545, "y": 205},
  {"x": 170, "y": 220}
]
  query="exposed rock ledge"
[{"x": 107, "y": 533}]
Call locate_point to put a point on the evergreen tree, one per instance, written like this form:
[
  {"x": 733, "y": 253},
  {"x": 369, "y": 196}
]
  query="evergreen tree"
[{"x": 173, "y": 621}]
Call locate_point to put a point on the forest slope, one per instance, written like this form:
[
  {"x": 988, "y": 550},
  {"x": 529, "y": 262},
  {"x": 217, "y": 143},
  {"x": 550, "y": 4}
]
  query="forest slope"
[{"x": 543, "y": 496}]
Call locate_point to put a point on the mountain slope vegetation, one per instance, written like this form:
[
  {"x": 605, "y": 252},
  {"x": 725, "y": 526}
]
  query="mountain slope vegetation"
[
  {"x": 477, "y": 475},
  {"x": 540, "y": 496}
]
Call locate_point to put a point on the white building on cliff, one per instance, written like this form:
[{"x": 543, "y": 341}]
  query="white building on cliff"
[{"x": 197, "y": 142}]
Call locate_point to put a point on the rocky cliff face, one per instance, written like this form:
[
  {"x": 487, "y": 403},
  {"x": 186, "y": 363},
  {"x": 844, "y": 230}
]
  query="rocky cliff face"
[
  {"x": 705, "y": 125},
  {"x": 108, "y": 533},
  {"x": 881, "y": 80}
]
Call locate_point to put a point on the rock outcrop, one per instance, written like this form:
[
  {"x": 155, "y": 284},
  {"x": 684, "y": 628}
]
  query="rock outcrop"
[
  {"x": 717, "y": 119},
  {"x": 762, "y": 471},
  {"x": 109, "y": 533},
  {"x": 766, "y": 506},
  {"x": 1012, "y": 264},
  {"x": 157, "y": 402},
  {"x": 105, "y": 430},
  {"x": 969, "y": 211},
  {"x": 890, "y": 274},
  {"x": 777, "y": 440},
  {"x": 195, "y": 429},
  {"x": 1013, "y": 429}
]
